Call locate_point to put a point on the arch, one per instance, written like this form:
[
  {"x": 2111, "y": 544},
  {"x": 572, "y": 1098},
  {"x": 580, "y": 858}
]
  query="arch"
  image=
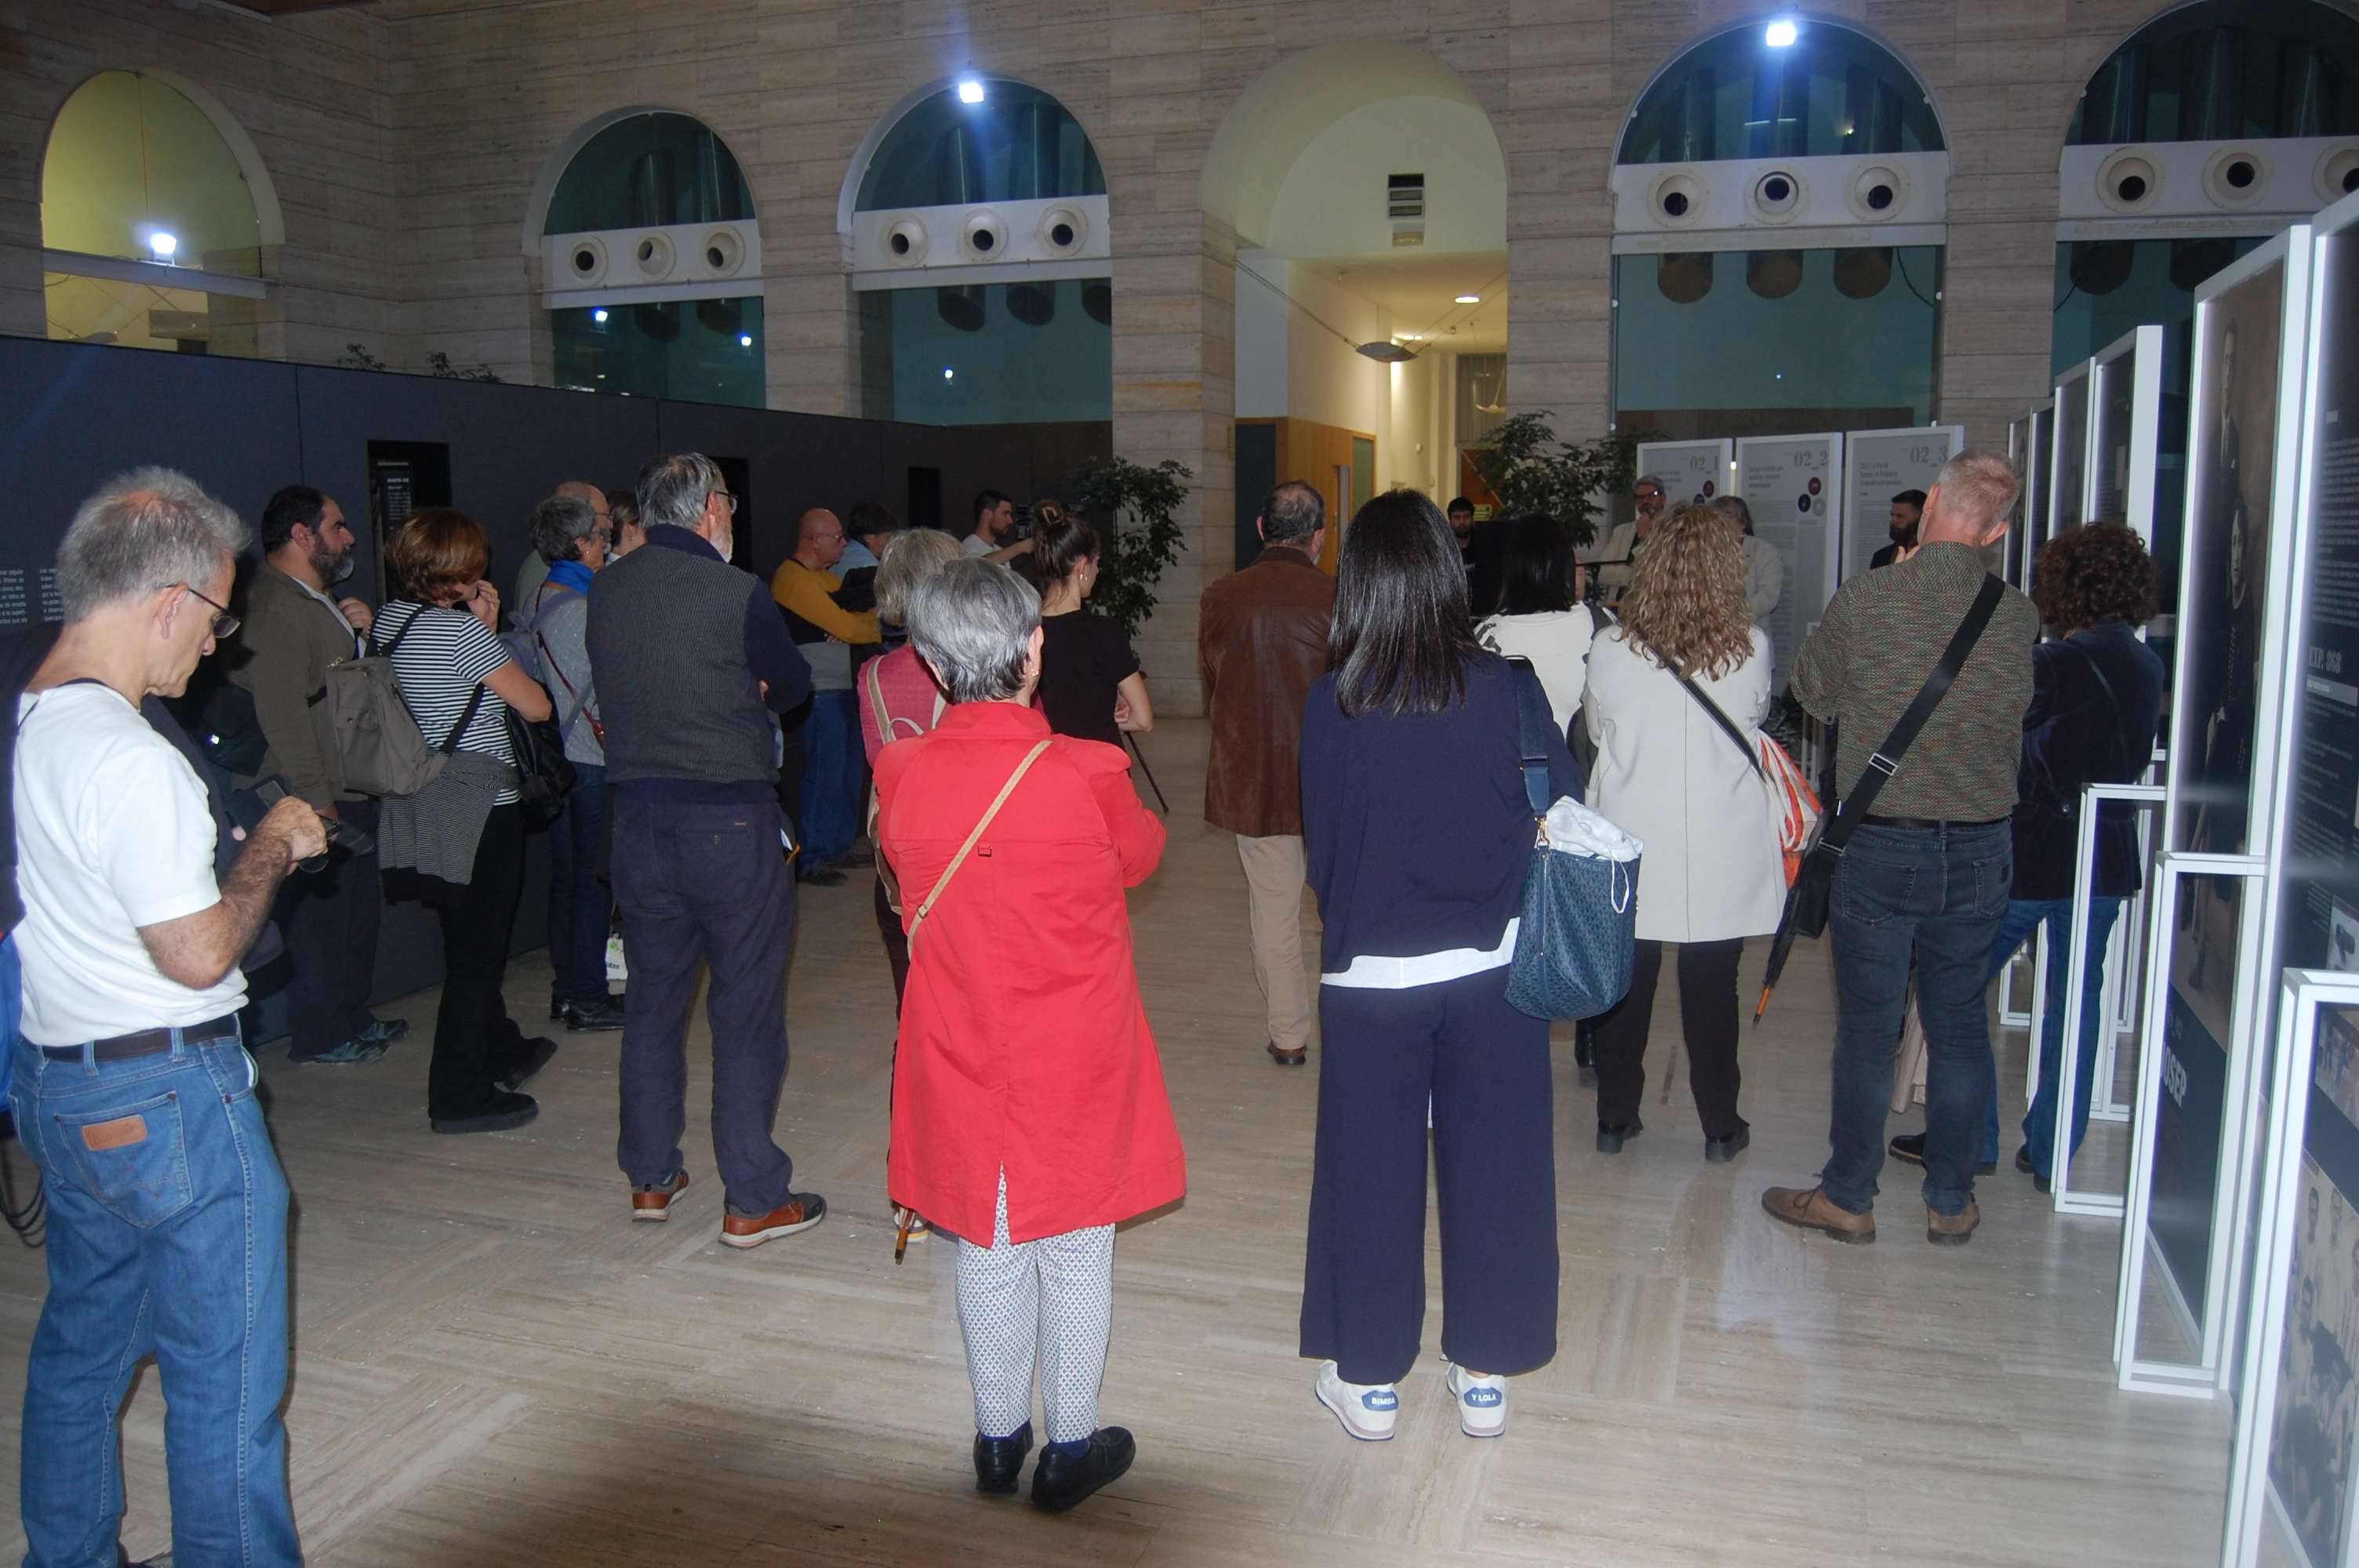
[
  {"x": 553, "y": 169},
  {"x": 2192, "y": 73},
  {"x": 270, "y": 225},
  {"x": 1875, "y": 70},
  {"x": 863, "y": 158},
  {"x": 1275, "y": 120}
]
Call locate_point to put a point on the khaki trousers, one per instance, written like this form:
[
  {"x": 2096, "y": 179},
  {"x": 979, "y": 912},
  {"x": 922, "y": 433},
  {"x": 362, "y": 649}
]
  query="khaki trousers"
[{"x": 1274, "y": 874}]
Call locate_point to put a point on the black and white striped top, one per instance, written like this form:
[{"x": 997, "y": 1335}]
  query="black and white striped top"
[{"x": 441, "y": 661}]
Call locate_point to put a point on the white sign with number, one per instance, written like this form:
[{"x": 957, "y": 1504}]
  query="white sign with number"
[
  {"x": 1692, "y": 471},
  {"x": 1793, "y": 486},
  {"x": 1879, "y": 464}
]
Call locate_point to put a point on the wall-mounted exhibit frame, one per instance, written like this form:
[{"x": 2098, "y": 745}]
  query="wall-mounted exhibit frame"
[
  {"x": 1690, "y": 471},
  {"x": 2292, "y": 1419},
  {"x": 2126, "y": 415},
  {"x": 1880, "y": 464},
  {"x": 2027, "y": 446},
  {"x": 2190, "y": 1165},
  {"x": 1793, "y": 486},
  {"x": 2068, "y": 457},
  {"x": 2066, "y": 1200},
  {"x": 2234, "y": 624}
]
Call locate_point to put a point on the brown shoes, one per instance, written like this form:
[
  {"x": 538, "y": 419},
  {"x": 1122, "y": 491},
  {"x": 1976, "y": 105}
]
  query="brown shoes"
[
  {"x": 1952, "y": 1230},
  {"x": 1286, "y": 1059},
  {"x": 800, "y": 1212},
  {"x": 656, "y": 1204},
  {"x": 1811, "y": 1210}
]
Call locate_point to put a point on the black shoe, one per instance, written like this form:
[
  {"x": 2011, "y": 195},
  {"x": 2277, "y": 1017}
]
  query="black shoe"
[
  {"x": 999, "y": 1462},
  {"x": 502, "y": 1111},
  {"x": 2023, "y": 1160},
  {"x": 1910, "y": 1146},
  {"x": 541, "y": 1048},
  {"x": 556, "y": 1005},
  {"x": 1721, "y": 1150},
  {"x": 1610, "y": 1139},
  {"x": 821, "y": 876},
  {"x": 592, "y": 1017},
  {"x": 1060, "y": 1481}
]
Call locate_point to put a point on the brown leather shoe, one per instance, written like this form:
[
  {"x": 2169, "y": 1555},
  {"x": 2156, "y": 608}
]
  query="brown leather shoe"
[
  {"x": 800, "y": 1212},
  {"x": 1811, "y": 1210},
  {"x": 1952, "y": 1230},
  {"x": 656, "y": 1206},
  {"x": 1285, "y": 1058}
]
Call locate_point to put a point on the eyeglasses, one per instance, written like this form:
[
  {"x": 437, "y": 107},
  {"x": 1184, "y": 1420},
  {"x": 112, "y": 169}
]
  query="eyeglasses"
[
  {"x": 225, "y": 623},
  {"x": 828, "y": 538},
  {"x": 730, "y": 499}
]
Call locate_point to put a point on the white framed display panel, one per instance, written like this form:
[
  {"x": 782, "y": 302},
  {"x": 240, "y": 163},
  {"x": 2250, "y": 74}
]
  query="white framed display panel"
[
  {"x": 2126, "y": 430},
  {"x": 2266, "y": 1443},
  {"x": 2204, "y": 1315},
  {"x": 1793, "y": 484},
  {"x": 2036, "y": 484},
  {"x": 1690, "y": 471},
  {"x": 2069, "y": 450},
  {"x": 1878, "y": 465}
]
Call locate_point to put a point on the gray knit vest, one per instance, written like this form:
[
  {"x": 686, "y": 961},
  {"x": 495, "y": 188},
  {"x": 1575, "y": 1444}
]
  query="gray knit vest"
[{"x": 666, "y": 638}]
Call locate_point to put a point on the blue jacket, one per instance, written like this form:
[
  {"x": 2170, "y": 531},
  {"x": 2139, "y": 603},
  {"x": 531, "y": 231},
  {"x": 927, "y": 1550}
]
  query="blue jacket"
[{"x": 2097, "y": 701}]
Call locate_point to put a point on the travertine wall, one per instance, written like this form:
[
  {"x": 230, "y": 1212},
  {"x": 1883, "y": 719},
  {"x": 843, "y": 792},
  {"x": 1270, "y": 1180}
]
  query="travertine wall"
[{"x": 405, "y": 137}]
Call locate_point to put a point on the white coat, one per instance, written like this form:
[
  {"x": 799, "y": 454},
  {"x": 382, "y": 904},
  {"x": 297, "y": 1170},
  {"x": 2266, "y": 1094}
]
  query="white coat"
[
  {"x": 1667, "y": 772},
  {"x": 1556, "y": 642}
]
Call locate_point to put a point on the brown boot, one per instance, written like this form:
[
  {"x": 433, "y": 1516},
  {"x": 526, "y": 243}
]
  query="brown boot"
[
  {"x": 1811, "y": 1210},
  {"x": 1952, "y": 1230}
]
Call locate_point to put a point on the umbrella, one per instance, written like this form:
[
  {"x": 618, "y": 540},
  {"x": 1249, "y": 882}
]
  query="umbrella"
[
  {"x": 1779, "y": 947},
  {"x": 1147, "y": 770}
]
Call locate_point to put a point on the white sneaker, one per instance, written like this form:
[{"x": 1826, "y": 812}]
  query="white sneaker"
[
  {"x": 1482, "y": 1403},
  {"x": 1366, "y": 1410}
]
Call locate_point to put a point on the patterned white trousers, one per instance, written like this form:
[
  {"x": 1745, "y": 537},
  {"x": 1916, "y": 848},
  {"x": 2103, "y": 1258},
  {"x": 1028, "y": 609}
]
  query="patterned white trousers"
[{"x": 1049, "y": 1301}]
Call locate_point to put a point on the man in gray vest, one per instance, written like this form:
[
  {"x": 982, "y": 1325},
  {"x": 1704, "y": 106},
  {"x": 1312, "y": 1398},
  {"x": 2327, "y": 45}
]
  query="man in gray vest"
[{"x": 692, "y": 660}]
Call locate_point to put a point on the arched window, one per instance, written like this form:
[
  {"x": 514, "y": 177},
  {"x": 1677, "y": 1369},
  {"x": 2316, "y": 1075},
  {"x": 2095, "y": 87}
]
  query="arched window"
[
  {"x": 151, "y": 233},
  {"x": 1825, "y": 92},
  {"x": 653, "y": 263},
  {"x": 2223, "y": 70},
  {"x": 977, "y": 212}
]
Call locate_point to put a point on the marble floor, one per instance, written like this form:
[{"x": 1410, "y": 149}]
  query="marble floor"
[{"x": 493, "y": 1365}]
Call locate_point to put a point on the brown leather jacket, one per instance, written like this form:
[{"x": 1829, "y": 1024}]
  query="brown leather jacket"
[{"x": 1262, "y": 641}]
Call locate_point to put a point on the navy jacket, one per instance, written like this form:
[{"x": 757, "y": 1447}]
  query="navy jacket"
[
  {"x": 1417, "y": 829},
  {"x": 2097, "y": 701}
]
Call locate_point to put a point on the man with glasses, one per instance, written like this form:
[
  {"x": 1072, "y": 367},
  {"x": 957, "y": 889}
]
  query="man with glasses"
[
  {"x": 133, "y": 1096},
  {"x": 692, "y": 661},
  {"x": 293, "y": 632},
  {"x": 535, "y": 570},
  {"x": 833, "y": 758},
  {"x": 1614, "y": 559}
]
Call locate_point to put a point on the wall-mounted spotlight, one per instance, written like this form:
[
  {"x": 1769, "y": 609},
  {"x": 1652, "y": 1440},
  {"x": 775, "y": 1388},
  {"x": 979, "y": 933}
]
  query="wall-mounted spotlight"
[
  {"x": 162, "y": 245},
  {"x": 746, "y": 339},
  {"x": 598, "y": 316},
  {"x": 1470, "y": 300},
  {"x": 1780, "y": 36},
  {"x": 969, "y": 90}
]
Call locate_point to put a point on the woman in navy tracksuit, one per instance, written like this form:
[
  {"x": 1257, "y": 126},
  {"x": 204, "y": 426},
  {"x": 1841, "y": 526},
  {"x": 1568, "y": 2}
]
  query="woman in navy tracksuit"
[{"x": 1418, "y": 832}]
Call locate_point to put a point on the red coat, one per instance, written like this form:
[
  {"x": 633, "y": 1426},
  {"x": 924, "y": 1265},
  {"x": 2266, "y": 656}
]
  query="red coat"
[{"x": 1024, "y": 1045}]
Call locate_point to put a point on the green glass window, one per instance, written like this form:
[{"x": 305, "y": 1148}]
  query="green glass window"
[
  {"x": 2225, "y": 70},
  {"x": 698, "y": 350},
  {"x": 650, "y": 171},
  {"x": 989, "y": 353},
  {"x": 1829, "y": 91},
  {"x": 1016, "y": 145}
]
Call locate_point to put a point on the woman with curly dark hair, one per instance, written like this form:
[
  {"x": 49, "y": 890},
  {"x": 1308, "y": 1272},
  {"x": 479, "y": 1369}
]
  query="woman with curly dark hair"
[{"x": 2096, "y": 702}]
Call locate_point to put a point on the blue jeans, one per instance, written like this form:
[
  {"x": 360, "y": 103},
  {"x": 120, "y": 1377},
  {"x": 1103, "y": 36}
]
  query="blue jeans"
[
  {"x": 1934, "y": 896},
  {"x": 167, "y": 1236},
  {"x": 833, "y": 763},
  {"x": 578, "y": 905},
  {"x": 2023, "y": 916}
]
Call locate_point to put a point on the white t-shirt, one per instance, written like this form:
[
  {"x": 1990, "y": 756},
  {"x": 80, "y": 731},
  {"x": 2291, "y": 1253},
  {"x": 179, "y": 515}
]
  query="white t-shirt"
[
  {"x": 112, "y": 833},
  {"x": 975, "y": 545}
]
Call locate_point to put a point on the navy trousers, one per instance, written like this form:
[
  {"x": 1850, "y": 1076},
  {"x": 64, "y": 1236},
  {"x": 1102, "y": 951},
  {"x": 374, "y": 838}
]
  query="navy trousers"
[
  {"x": 703, "y": 885},
  {"x": 329, "y": 919},
  {"x": 1483, "y": 1068}
]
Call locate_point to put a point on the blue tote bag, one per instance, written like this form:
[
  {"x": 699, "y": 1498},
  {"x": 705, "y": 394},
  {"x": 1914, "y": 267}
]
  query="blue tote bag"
[{"x": 1580, "y": 920}]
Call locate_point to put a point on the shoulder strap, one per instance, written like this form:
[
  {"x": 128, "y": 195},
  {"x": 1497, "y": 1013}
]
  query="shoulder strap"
[
  {"x": 875, "y": 682},
  {"x": 1885, "y": 760},
  {"x": 1535, "y": 723},
  {"x": 579, "y": 702},
  {"x": 387, "y": 652},
  {"x": 967, "y": 848},
  {"x": 1728, "y": 725},
  {"x": 450, "y": 741},
  {"x": 2112, "y": 702}
]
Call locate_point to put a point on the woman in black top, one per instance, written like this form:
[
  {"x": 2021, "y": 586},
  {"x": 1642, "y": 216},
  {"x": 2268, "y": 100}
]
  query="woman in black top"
[
  {"x": 1417, "y": 833},
  {"x": 1090, "y": 681}
]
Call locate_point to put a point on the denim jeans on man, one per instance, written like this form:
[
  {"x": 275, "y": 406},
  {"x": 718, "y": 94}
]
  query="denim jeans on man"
[
  {"x": 833, "y": 762},
  {"x": 704, "y": 885},
  {"x": 1935, "y": 895},
  {"x": 166, "y": 1237},
  {"x": 2024, "y": 916},
  {"x": 578, "y": 905}
]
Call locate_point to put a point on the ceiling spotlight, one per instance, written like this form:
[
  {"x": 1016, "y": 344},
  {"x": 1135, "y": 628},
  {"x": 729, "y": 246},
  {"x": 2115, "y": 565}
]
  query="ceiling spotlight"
[
  {"x": 162, "y": 245},
  {"x": 948, "y": 373},
  {"x": 1470, "y": 300},
  {"x": 597, "y": 316},
  {"x": 1389, "y": 353},
  {"x": 970, "y": 90},
  {"x": 1780, "y": 36}
]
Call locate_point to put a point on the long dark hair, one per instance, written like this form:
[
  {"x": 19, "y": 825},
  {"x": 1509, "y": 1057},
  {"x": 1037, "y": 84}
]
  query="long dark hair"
[
  {"x": 1538, "y": 568},
  {"x": 1401, "y": 640}
]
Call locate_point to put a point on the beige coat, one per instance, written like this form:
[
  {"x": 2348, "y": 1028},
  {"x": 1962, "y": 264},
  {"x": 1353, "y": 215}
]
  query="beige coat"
[{"x": 1669, "y": 774}]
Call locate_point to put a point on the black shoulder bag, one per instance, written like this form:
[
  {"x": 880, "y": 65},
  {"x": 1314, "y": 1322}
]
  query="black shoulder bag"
[{"x": 1806, "y": 901}]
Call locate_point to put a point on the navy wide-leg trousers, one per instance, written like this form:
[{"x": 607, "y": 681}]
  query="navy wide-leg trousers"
[{"x": 1483, "y": 1068}]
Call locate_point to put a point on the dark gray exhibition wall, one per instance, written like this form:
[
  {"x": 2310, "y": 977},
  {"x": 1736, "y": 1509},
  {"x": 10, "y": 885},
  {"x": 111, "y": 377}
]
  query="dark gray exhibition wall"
[{"x": 73, "y": 414}]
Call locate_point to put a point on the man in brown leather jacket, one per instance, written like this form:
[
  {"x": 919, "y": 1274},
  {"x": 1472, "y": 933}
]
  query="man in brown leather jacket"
[{"x": 1262, "y": 641}]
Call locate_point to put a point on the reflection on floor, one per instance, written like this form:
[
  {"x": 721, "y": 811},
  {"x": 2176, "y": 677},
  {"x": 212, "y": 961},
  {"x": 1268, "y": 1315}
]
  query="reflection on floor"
[{"x": 493, "y": 1365}]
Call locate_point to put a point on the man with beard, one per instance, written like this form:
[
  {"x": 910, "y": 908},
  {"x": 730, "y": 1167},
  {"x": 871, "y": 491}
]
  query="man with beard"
[{"x": 292, "y": 631}]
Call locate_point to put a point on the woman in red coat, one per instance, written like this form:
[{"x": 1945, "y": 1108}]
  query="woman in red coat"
[{"x": 1028, "y": 1108}]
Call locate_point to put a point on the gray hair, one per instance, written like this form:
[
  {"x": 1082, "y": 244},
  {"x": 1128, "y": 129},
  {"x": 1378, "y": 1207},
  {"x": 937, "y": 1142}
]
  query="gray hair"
[
  {"x": 149, "y": 529},
  {"x": 560, "y": 524},
  {"x": 972, "y": 620},
  {"x": 1656, "y": 479},
  {"x": 911, "y": 559},
  {"x": 1733, "y": 508},
  {"x": 672, "y": 488},
  {"x": 1980, "y": 484}
]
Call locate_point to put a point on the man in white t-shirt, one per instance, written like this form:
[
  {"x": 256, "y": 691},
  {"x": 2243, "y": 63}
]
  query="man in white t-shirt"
[
  {"x": 994, "y": 530},
  {"x": 167, "y": 1211}
]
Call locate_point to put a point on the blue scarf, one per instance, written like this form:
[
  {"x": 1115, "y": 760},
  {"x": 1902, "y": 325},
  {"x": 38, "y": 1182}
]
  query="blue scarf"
[{"x": 570, "y": 574}]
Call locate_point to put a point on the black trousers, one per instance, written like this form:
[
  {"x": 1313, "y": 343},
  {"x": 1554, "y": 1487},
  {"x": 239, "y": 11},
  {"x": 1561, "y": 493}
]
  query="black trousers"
[
  {"x": 897, "y": 944},
  {"x": 1707, "y": 1010},
  {"x": 329, "y": 918},
  {"x": 476, "y": 1040},
  {"x": 1483, "y": 1068}
]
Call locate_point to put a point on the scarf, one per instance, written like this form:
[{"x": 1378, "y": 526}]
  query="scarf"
[{"x": 570, "y": 574}]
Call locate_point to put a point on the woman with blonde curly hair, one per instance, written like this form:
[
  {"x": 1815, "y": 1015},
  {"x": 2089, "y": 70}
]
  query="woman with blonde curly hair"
[{"x": 1677, "y": 693}]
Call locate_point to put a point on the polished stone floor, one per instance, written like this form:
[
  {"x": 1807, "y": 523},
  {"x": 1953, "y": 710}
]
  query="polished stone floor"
[{"x": 495, "y": 1367}]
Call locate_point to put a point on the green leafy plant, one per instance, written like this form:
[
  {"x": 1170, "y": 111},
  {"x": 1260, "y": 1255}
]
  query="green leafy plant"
[
  {"x": 357, "y": 357},
  {"x": 1136, "y": 511},
  {"x": 1531, "y": 470},
  {"x": 438, "y": 363}
]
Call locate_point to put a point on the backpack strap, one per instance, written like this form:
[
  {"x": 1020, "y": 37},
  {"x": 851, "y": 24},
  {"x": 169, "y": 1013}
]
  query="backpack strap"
[{"x": 1535, "y": 723}]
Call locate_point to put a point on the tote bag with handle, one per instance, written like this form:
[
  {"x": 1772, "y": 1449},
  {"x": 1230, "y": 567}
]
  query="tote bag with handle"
[{"x": 1580, "y": 918}]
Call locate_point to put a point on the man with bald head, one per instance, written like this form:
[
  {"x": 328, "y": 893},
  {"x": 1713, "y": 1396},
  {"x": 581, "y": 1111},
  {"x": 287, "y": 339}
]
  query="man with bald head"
[
  {"x": 825, "y": 632},
  {"x": 535, "y": 570}
]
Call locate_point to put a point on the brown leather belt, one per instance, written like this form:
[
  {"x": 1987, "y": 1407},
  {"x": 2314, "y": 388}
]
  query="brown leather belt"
[
  {"x": 146, "y": 1043},
  {"x": 1873, "y": 821}
]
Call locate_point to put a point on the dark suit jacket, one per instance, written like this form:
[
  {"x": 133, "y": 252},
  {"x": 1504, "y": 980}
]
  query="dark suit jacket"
[{"x": 2097, "y": 701}]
